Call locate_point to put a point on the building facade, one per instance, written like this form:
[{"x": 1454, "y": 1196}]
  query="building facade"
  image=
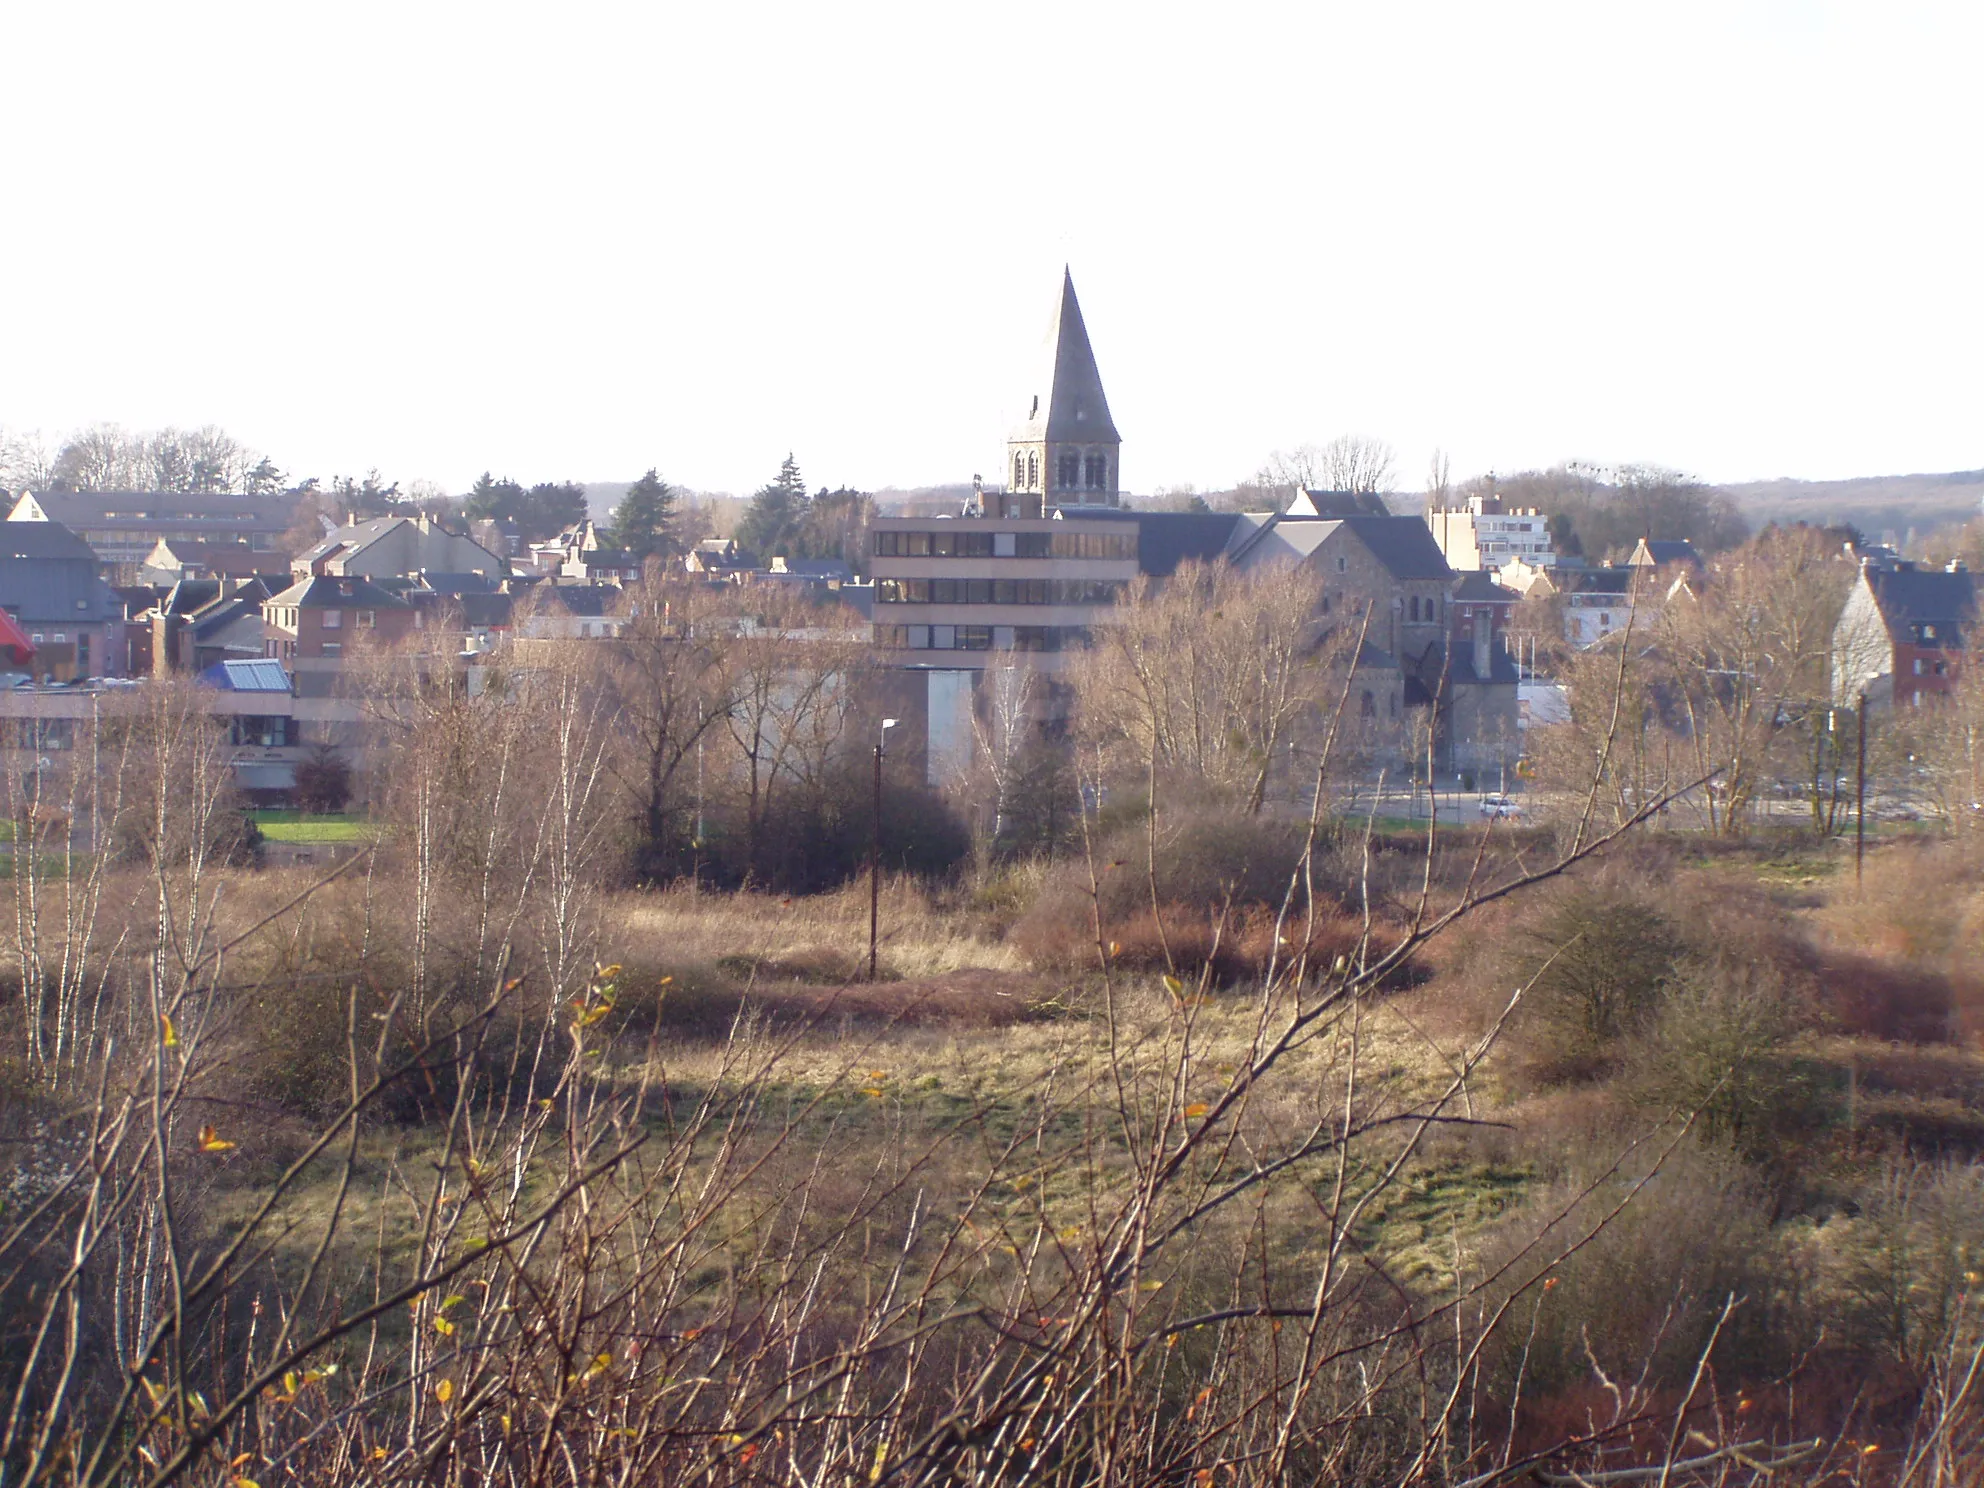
[{"x": 1484, "y": 534}]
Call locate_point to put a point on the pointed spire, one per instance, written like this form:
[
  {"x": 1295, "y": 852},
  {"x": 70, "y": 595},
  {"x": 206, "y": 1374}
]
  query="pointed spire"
[{"x": 1068, "y": 403}]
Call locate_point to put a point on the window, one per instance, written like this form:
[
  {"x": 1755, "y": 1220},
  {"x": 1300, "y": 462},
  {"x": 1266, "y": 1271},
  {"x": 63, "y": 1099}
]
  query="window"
[
  {"x": 1341, "y": 565},
  {"x": 1032, "y": 471},
  {"x": 1003, "y": 545},
  {"x": 1095, "y": 472},
  {"x": 1412, "y": 609},
  {"x": 83, "y": 652},
  {"x": 1019, "y": 470},
  {"x": 1918, "y": 666},
  {"x": 974, "y": 638},
  {"x": 1367, "y": 705},
  {"x": 333, "y": 648},
  {"x": 332, "y": 620},
  {"x": 1069, "y": 474},
  {"x": 367, "y": 619}
]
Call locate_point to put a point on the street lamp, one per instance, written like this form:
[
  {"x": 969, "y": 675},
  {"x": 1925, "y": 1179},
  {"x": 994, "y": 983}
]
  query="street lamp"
[{"x": 875, "y": 850}]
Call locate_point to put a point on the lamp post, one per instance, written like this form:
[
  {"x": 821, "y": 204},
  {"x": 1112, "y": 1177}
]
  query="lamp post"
[{"x": 875, "y": 851}]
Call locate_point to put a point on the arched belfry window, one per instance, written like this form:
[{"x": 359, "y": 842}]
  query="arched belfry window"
[
  {"x": 1068, "y": 476},
  {"x": 1095, "y": 472},
  {"x": 1032, "y": 471}
]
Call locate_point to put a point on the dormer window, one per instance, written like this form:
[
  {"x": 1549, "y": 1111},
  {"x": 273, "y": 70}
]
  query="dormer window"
[{"x": 1928, "y": 632}]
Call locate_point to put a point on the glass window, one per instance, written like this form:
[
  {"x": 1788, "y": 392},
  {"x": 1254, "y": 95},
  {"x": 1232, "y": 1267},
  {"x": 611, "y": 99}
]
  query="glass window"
[
  {"x": 1003, "y": 544},
  {"x": 974, "y": 638},
  {"x": 333, "y": 620},
  {"x": 367, "y": 619},
  {"x": 916, "y": 544},
  {"x": 943, "y": 637},
  {"x": 1069, "y": 472}
]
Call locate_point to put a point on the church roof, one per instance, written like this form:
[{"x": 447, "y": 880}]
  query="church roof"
[{"x": 1067, "y": 400}]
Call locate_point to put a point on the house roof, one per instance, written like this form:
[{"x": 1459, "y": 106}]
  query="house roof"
[
  {"x": 42, "y": 541},
  {"x": 1477, "y": 587},
  {"x": 1909, "y": 597},
  {"x": 1658, "y": 552},
  {"x": 1167, "y": 539},
  {"x": 271, "y": 512},
  {"x": 1308, "y": 503},
  {"x": 338, "y": 594},
  {"x": 586, "y": 601},
  {"x": 1067, "y": 399}
]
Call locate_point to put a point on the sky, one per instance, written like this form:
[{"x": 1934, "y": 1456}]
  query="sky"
[{"x": 574, "y": 241}]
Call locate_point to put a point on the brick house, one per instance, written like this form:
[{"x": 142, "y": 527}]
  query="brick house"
[{"x": 1900, "y": 638}]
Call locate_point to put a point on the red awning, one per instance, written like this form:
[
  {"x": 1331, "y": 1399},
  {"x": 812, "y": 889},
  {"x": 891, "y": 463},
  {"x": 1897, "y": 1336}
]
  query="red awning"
[{"x": 14, "y": 639}]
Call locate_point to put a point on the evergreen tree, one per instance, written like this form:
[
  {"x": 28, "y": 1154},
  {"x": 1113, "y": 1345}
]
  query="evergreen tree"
[
  {"x": 777, "y": 515},
  {"x": 644, "y": 521}
]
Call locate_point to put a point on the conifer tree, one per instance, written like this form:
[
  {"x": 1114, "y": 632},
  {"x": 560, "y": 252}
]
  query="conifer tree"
[
  {"x": 777, "y": 513},
  {"x": 644, "y": 521}
]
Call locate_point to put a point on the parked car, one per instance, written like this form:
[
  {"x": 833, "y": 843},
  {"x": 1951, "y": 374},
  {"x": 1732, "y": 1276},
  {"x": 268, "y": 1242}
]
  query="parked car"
[{"x": 1495, "y": 804}]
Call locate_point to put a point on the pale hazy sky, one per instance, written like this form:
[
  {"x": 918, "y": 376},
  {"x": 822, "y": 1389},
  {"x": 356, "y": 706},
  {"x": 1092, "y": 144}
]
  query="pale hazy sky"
[{"x": 575, "y": 240}]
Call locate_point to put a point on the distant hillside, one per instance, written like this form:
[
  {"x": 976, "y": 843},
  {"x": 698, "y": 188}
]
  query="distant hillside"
[{"x": 1875, "y": 504}]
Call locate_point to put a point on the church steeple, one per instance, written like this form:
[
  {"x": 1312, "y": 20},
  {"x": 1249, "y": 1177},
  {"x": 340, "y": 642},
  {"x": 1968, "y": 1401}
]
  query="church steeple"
[{"x": 1066, "y": 451}]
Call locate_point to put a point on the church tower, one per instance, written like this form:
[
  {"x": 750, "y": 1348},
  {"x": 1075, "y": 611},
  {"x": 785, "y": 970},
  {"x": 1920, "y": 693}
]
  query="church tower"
[{"x": 1066, "y": 452}]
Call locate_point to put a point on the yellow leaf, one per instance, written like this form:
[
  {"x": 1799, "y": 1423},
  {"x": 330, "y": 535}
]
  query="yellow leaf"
[
  {"x": 443, "y": 1327},
  {"x": 168, "y": 1033},
  {"x": 210, "y": 1141},
  {"x": 1175, "y": 987},
  {"x": 876, "y": 1091},
  {"x": 1196, "y": 1109},
  {"x": 1153, "y": 1285},
  {"x": 378, "y": 1454},
  {"x": 444, "y": 1391},
  {"x": 240, "y": 1461},
  {"x": 1114, "y": 948},
  {"x": 246, "y": 1483},
  {"x": 454, "y": 1299},
  {"x": 290, "y": 1383},
  {"x": 665, "y": 981}
]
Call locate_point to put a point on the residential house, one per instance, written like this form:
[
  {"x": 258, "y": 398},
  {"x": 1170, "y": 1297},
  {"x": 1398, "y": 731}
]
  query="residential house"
[
  {"x": 52, "y": 588},
  {"x": 1901, "y": 636},
  {"x": 173, "y": 559},
  {"x": 720, "y": 559},
  {"x": 309, "y": 625},
  {"x": 1654, "y": 552},
  {"x": 393, "y": 547},
  {"x": 202, "y": 622}
]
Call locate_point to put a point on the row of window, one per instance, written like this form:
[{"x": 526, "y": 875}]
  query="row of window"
[
  {"x": 287, "y": 617},
  {"x": 980, "y": 637},
  {"x": 1073, "y": 472},
  {"x": 997, "y": 591},
  {"x": 968, "y": 544}
]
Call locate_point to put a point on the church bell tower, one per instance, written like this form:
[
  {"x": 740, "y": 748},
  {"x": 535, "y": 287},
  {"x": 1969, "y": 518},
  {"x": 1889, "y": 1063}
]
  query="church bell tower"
[{"x": 1066, "y": 452}]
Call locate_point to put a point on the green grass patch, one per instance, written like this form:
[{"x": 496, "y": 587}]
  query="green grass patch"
[{"x": 297, "y": 826}]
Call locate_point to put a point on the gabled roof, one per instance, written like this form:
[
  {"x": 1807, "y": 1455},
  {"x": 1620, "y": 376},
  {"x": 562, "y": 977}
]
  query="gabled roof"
[
  {"x": 1658, "y": 552},
  {"x": 1067, "y": 399},
  {"x": 1479, "y": 587},
  {"x": 42, "y": 541},
  {"x": 1909, "y": 597},
  {"x": 1309, "y": 503},
  {"x": 338, "y": 594}
]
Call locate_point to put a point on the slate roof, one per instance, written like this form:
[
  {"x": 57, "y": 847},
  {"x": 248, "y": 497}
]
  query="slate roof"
[
  {"x": 1479, "y": 587},
  {"x": 586, "y": 601},
  {"x": 338, "y": 594},
  {"x": 42, "y": 541},
  {"x": 1661, "y": 551},
  {"x": 48, "y": 574},
  {"x": 1167, "y": 539},
  {"x": 155, "y": 509},
  {"x": 1909, "y": 597},
  {"x": 1068, "y": 403}
]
